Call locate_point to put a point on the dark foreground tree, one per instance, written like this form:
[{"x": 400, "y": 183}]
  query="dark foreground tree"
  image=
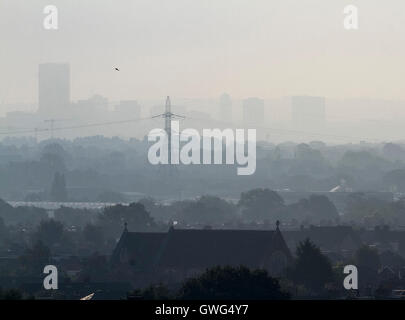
[
  {"x": 153, "y": 292},
  {"x": 230, "y": 283},
  {"x": 10, "y": 294},
  {"x": 367, "y": 260},
  {"x": 311, "y": 268}
]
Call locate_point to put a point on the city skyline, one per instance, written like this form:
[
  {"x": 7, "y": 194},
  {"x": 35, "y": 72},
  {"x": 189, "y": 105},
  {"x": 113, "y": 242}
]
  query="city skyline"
[{"x": 218, "y": 52}]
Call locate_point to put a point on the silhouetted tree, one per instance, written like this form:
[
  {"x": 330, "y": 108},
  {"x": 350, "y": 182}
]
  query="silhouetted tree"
[
  {"x": 316, "y": 208},
  {"x": 93, "y": 234},
  {"x": 230, "y": 283},
  {"x": 395, "y": 180},
  {"x": 10, "y": 294},
  {"x": 393, "y": 151},
  {"x": 75, "y": 216},
  {"x": 368, "y": 262},
  {"x": 3, "y": 229},
  {"x": 153, "y": 292},
  {"x": 207, "y": 210},
  {"x": 260, "y": 204},
  {"x": 49, "y": 232},
  {"x": 113, "y": 218},
  {"x": 35, "y": 258},
  {"x": 367, "y": 257},
  {"x": 311, "y": 268}
]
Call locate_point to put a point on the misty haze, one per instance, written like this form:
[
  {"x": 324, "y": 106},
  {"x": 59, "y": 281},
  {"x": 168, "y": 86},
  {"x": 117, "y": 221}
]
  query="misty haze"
[{"x": 124, "y": 128}]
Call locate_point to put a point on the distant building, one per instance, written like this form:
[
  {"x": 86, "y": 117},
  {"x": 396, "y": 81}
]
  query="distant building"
[
  {"x": 308, "y": 112},
  {"x": 96, "y": 102},
  {"x": 129, "y": 108},
  {"x": 95, "y": 107},
  {"x": 182, "y": 253},
  {"x": 225, "y": 108},
  {"x": 253, "y": 111},
  {"x": 53, "y": 89}
]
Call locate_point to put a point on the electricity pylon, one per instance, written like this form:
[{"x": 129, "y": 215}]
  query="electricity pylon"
[{"x": 168, "y": 173}]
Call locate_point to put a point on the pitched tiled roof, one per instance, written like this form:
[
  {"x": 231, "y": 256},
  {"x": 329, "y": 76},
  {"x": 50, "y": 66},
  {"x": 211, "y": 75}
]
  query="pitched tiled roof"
[{"x": 200, "y": 248}]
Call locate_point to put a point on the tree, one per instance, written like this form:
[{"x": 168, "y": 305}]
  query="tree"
[
  {"x": 35, "y": 258},
  {"x": 135, "y": 215},
  {"x": 368, "y": 262},
  {"x": 207, "y": 210},
  {"x": 395, "y": 180},
  {"x": 93, "y": 234},
  {"x": 316, "y": 208},
  {"x": 260, "y": 204},
  {"x": 58, "y": 189},
  {"x": 311, "y": 268},
  {"x": 322, "y": 208},
  {"x": 153, "y": 292},
  {"x": 10, "y": 294},
  {"x": 76, "y": 217},
  {"x": 308, "y": 161},
  {"x": 367, "y": 257},
  {"x": 393, "y": 151},
  {"x": 49, "y": 232},
  {"x": 3, "y": 229},
  {"x": 229, "y": 283},
  {"x": 7, "y": 212}
]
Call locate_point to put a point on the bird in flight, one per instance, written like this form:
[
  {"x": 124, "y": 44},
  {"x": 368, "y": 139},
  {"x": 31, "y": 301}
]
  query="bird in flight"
[{"x": 116, "y": 69}]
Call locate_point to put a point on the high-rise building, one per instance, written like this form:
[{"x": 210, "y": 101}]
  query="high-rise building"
[
  {"x": 253, "y": 111},
  {"x": 225, "y": 108},
  {"x": 53, "y": 89},
  {"x": 308, "y": 112}
]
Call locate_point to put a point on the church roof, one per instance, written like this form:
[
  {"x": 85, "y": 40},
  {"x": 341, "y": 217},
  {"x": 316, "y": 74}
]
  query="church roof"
[{"x": 200, "y": 248}]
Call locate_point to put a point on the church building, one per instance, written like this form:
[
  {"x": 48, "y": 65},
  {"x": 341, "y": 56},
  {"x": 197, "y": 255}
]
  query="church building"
[{"x": 180, "y": 253}]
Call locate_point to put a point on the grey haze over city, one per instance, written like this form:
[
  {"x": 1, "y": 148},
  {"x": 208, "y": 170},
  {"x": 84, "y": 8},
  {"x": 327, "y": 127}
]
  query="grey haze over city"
[
  {"x": 178, "y": 150},
  {"x": 197, "y": 51}
]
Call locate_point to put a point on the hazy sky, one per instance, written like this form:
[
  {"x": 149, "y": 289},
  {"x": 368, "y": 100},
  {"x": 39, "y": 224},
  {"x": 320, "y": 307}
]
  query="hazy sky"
[{"x": 201, "y": 48}]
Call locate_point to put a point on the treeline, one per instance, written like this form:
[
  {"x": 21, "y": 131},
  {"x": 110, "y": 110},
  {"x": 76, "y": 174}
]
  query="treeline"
[{"x": 111, "y": 169}]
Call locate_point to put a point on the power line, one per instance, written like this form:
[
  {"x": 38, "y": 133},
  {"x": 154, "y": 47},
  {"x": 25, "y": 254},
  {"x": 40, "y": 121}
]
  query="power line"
[
  {"x": 99, "y": 124},
  {"x": 292, "y": 131},
  {"x": 168, "y": 116}
]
